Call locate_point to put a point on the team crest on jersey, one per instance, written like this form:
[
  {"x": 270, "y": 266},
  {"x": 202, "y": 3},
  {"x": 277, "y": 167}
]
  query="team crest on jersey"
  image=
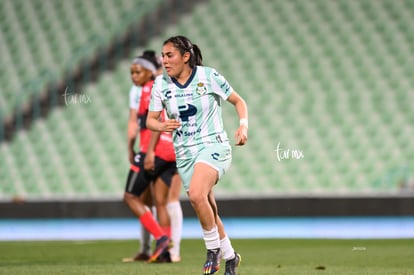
[{"x": 201, "y": 89}]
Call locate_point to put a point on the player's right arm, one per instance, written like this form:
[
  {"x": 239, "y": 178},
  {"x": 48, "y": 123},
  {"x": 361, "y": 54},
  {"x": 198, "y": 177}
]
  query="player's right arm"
[
  {"x": 154, "y": 123},
  {"x": 132, "y": 134}
]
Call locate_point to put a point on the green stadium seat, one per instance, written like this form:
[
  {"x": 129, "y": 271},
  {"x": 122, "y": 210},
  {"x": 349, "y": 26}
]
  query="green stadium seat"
[{"x": 327, "y": 77}]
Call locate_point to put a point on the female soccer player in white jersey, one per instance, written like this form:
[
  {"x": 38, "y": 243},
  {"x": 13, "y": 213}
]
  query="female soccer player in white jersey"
[{"x": 192, "y": 95}]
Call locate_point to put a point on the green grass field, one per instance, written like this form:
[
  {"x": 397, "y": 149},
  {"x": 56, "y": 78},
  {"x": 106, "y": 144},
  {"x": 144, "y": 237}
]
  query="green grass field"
[{"x": 259, "y": 256}]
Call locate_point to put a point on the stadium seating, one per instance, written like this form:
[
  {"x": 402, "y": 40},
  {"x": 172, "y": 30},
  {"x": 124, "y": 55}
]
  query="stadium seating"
[
  {"x": 329, "y": 79},
  {"x": 42, "y": 40}
]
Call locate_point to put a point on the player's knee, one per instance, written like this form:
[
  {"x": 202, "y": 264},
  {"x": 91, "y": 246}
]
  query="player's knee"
[
  {"x": 161, "y": 202},
  {"x": 197, "y": 198}
]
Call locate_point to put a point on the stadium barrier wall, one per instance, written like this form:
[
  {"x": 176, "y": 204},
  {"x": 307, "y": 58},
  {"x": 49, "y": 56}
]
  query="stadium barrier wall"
[{"x": 253, "y": 207}]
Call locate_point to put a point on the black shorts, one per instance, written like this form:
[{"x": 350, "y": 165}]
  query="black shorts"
[{"x": 139, "y": 179}]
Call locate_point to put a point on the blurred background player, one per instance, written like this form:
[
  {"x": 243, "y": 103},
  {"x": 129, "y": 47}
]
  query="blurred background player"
[{"x": 154, "y": 163}]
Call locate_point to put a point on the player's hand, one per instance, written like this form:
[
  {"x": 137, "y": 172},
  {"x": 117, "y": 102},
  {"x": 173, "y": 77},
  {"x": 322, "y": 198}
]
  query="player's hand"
[
  {"x": 241, "y": 135},
  {"x": 131, "y": 156},
  {"x": 170, "y": 125},
  {"x": 149, "y": 161}
]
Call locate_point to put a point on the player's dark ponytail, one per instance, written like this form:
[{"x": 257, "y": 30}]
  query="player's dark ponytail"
[
  {"x": 196, "y": 57},
  {"x": 152, "y": 57},
  {"x": 183, "y": 44}
]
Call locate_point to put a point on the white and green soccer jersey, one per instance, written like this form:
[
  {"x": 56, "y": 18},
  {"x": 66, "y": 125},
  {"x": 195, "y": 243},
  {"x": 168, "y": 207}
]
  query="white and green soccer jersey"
[{"x": 197, "y": 104}]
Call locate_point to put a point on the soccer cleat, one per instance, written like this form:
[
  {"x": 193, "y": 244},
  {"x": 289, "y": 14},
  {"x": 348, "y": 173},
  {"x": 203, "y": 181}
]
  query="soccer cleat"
[
  {"x": 231, "y": 265},
  {"x": 163, "y": 244},
  {"x": 165, "y": 257},
  {"x": 212, "y": 264},
  {"x": 137, "y": 258}
]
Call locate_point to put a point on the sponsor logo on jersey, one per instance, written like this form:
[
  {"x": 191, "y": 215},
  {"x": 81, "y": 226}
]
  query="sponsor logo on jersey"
[
  {"x": 184, "y": 95},
  {"x": 215, "y": 156},
  {"x": 226, "y": 86},
  {"x": 188, "y": 133},
  {"x": 168, "y": 94},
  {"x": 186, "y": 111}
]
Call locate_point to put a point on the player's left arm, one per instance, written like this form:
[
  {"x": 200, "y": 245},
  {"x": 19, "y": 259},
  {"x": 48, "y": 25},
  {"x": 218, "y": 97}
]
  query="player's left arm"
[
  {"x": 149, "y": 160},
  {"x": 132, "y": 134},
  {"x": 241, "y": 109}
]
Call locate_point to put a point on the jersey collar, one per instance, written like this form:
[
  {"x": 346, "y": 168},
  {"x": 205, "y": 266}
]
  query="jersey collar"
[{"x": 188, "y": 80}]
